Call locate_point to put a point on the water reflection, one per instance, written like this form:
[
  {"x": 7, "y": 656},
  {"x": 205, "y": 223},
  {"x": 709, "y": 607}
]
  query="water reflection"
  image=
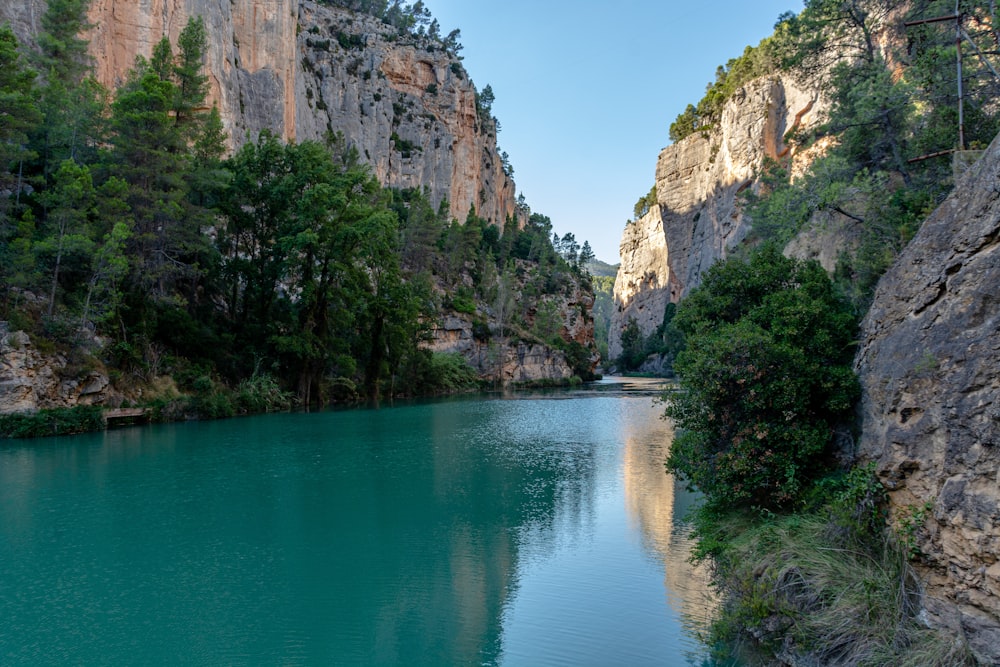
[
  {"x": 531, "y": 531},
  {"x": 659, "y": 504}
]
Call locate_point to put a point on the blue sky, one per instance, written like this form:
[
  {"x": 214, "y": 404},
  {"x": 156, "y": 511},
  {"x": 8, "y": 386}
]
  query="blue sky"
[{"x": 586, "y": 91}]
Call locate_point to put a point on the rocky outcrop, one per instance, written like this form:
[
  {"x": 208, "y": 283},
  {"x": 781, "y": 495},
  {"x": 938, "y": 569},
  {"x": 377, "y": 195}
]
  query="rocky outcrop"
[
  {"x": 698, "y": 182},
  {"x": 502, "y": 355},
  {"x": 303, "y": 69},
  {"x": 500, "y": 360},
  {"x": 31, "y": 380},
  {"x": 928, "y": 364},
  {"x": 698, "y": 179}
]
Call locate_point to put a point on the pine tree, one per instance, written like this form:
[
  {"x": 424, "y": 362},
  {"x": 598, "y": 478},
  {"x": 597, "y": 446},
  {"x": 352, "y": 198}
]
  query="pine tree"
[
  {"x": 73, "y": 103},
  {"x": 19, "y": 116},
  {"x": 67, "y": 234},
  {"x": 192, "y": 84}
]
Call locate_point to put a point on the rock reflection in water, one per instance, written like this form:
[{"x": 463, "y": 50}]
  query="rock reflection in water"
[{"x": 658, "y": 503}]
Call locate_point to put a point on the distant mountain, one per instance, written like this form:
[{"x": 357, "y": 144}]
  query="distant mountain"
[{"x": 599, "y": 268}]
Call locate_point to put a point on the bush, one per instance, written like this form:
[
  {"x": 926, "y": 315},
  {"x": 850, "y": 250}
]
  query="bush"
[
  {"x": 57, "y": 421},
  {"x": 765, "y": 378},
  {"x": 450, "y": 372},
  {"x": 261, "y": 393}
]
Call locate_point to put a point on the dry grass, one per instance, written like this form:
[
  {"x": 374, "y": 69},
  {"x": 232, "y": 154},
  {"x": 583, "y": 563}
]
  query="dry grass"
[{"x": 803, "y": 589}]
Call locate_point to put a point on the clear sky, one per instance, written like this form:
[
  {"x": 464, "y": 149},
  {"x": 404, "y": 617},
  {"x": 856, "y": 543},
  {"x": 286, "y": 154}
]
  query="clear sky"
[{"x": 586, "y": 91}]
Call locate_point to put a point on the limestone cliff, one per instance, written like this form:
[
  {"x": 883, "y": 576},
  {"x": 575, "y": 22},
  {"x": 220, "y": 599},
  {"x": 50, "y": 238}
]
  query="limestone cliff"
[
  {"x": 507, "y": 354},
  {"x": 302, "y": 69},
  {"x": 698, "y": 181},
  {"x": 928, "y": 364},
  {"x": 31, "y": 380}
]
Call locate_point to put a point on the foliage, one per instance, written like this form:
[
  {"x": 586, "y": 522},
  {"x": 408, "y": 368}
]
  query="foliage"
[
  {"x": 737, "y": 72},
  {"x": 603, "y": 307},
  {"x": 285, "y": 270},
  {"x": 262, "y": 393},
  {"x": 666, "y": 341},
  {"x": 444, "y": 373},
  {"x": 408, "y": 19},
  {"x": 56, "y": 421},
  {"x": 645, "y": 203},
  {"x": 885, "y": 120},
  {"x": 765, "y": 377},
  {"x": 20, "y": 116}
]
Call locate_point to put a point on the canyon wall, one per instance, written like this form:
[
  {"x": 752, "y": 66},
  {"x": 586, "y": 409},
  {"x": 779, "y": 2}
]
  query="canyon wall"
[
  {"x": 303, "y": 69},
  {"x": 930, "y": 350},
  {"x": 698, "y": 182}
]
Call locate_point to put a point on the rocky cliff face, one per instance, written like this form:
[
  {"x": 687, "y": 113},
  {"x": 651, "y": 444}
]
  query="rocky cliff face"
[
  {"x": 698, "y": 181},
  {"x": 643, "y": 286},
  {"x": 302, "y": 69},
  {"x": 31, "y": 380},
  {"x": 503, "y": 356},
  {"x": 928, "y": 364}
]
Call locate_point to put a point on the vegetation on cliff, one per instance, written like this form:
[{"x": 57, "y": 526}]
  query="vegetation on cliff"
[
  {"x": 810, "y": 568},
  {"x": 896, "y": 142},
  {"x": 802, "y": 554},
  {"x": 286, "y": 266},
  {"x": 765, "y": 378}
]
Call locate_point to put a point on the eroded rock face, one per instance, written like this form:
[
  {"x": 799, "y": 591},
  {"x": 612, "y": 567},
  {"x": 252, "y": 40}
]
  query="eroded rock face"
[
  {"x": 301, "y": 69},
  {"x": 643, "y": 286},
  {"x": 928, "y": 365},
  {"x": 504, "y": 359},
  {"x": 501, "y": 361},
  {"x": 698, "y": 181},
  {"x": 31, "y": 381}
]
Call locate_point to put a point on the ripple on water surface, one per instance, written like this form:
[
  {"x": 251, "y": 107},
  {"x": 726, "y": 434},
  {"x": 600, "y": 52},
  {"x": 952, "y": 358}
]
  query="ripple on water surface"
[{"x": 533, "y": 531}]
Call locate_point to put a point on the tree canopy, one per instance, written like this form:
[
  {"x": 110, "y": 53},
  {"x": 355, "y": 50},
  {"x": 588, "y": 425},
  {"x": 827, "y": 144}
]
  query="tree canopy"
[{"x": 765, "y": 379}]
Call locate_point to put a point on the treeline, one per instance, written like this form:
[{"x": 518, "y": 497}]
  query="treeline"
[
  {"x": 283, "y": 268},
  {"x": 407, "y": 19}
]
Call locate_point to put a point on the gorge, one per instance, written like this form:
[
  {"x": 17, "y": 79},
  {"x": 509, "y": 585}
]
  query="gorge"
[{"x": 909, "y": 238}]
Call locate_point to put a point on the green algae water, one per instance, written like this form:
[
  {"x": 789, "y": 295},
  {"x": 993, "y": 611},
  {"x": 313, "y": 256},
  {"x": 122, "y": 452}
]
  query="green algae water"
[{"x": 536, "y": 530}]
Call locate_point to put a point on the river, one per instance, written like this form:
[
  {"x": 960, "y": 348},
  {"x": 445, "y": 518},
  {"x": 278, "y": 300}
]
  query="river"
[{"x": 538, "y": 529}]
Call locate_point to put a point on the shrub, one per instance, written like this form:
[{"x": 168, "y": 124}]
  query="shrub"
[
  {"x": 765, "y": 378},
  {"x": 261, "y": 393},
  {"x": 57, "y": 421}
]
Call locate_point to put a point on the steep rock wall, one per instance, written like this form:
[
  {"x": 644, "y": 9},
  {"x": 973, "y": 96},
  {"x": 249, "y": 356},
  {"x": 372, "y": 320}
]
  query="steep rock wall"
[
  {"x": 928, "y": 364},
  {"x": 698, "y": 181},
  {"x": 643, "y": 286},
  {"x": 301, "y": 69}
]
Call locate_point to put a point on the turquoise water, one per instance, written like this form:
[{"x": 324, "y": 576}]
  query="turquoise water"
[{"x": 538, "y": 530}]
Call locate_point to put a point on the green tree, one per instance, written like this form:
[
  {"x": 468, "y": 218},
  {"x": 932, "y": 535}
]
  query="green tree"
[
  {"x": 148, "y": 154},
  {"x": 19, "y": 115},
  {"x": 62, "y": 53},
  {"x": 633, "y": 350},
  {"x": 110, "y": 264},
  {"x": 586, "y": 255},
  {"x": 765, "y": 379},
  {"x": 192, "y": 84},
  {"x": 645, "y": 203},
  {"x": 67, "y": 235},
  {"x": 684, "y": 125},
  {"x": 72, "y": 101}
]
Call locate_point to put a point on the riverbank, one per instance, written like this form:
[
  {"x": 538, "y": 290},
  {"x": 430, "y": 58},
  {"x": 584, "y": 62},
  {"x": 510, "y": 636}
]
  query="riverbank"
[
  {"x": 214, "y": 400},
  {"x": 829, "y": 583}
]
